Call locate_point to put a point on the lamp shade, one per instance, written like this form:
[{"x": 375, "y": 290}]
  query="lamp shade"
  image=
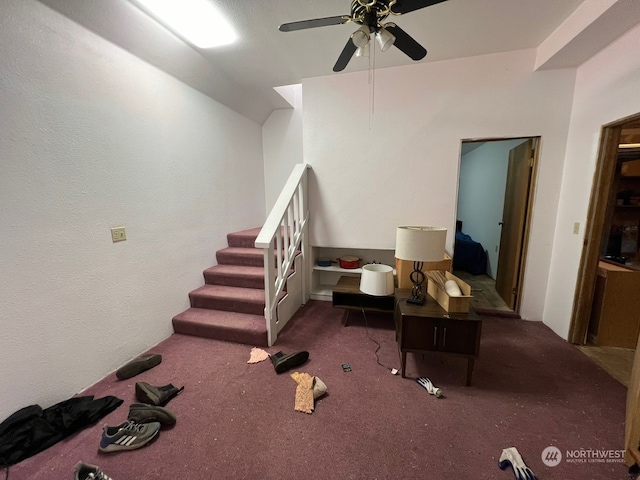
[
  {"x": 377, "y": 280},
  {"x": 420, "y": 244}
]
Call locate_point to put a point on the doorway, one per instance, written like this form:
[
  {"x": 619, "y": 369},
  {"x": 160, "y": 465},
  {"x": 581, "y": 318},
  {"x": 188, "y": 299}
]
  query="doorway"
[
  {"x": 495, "y": 194},
  {"x": 598, "y": 227}
]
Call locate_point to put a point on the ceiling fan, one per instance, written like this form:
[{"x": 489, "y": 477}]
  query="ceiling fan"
[{"x": 370, "y": 15}]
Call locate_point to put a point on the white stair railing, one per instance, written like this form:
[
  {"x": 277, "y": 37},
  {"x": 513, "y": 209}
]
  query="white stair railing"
[{"x": 283, "y": 239}]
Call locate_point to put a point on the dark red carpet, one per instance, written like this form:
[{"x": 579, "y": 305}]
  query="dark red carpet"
[{"x": 530, "y": 390}]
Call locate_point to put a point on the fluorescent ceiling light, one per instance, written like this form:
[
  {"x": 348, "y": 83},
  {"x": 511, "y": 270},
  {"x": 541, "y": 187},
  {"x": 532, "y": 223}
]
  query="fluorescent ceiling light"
[
  {"x": 197, "y": 21},
  {"x": 629, "y": 145}
]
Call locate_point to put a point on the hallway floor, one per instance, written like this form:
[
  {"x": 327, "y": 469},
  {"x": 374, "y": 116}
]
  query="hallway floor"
[
  {"x": 483, "y": 289},
  {"x": 617, "y": 362}
]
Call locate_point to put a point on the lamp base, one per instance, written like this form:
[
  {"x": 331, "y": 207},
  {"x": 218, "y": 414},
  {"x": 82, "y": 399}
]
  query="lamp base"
[
  {"x": 417, "y": 278},
  {"x": 417, "y": 300}
]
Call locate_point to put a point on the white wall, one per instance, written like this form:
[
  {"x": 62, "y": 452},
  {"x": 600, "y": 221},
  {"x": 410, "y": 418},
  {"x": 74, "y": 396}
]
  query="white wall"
[
  {"x": 90, "y": 138},
  {"x": 401, "y": 165},
  {"x": 606, "y": 90},
  {"x": 282, "y": 146},
  {"x": 483, "y": 178}
]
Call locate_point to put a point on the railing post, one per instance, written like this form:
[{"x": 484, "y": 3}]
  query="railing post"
[
  {"x": 269, "y": 290},
  {"x": 287, "y": 219},
  {"x": 303, "y": 198}
]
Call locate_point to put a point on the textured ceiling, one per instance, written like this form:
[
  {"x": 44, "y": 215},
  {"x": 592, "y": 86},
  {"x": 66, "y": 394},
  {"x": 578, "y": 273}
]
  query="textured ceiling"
[{"x": 242, "y": 75}]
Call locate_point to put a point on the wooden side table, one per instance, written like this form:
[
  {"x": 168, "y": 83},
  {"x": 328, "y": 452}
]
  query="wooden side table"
[
  {"x": 347, "y": 295},
  {"x": 429, "y": 328}
]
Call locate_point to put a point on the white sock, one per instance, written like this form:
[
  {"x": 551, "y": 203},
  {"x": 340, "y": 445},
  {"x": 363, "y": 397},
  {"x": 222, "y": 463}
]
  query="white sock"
[{"x": 429, "y": 386}]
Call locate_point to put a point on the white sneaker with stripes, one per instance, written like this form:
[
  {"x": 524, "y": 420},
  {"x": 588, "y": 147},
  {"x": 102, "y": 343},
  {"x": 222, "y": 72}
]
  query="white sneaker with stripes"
[{"x": 128, "y": 436}]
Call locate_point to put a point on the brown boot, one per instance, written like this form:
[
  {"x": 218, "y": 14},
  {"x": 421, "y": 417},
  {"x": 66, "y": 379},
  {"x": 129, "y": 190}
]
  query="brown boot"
[
  {"x": 138, "y": 365},
  {"x": 158, "y": 396},
  {"x": 143, "y": 413},
  {"x": 283, "y": 362}
]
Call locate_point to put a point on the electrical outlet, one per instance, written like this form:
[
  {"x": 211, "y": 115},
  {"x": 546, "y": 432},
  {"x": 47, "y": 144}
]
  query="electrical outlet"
[
  {"x": 118, "y": 234},
  {"x": 576, "y": 228}
]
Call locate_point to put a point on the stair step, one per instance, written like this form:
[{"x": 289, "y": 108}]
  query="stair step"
[
  {"x": 230, "y": 306},
  {"x": 235, "y": 276},
  {"x": 250, "y": 257},
  {"x": 231, "y": 299},
  {"x": 221, "y": 325},
  {"x": 243, "y": 239}
]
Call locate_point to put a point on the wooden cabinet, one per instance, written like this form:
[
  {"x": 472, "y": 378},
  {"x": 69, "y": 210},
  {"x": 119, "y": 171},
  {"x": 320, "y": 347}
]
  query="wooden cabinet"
[
  {"x": 623, "y": 213},
  {"x": 417, "y": 334},
  {"x": 440, "y": 335},
  {"x": 460, "y": 336},
  {"x": 632, "y": 424},
  {"x": 429, "y": 328},
  {"x": 615, "y": 312}
]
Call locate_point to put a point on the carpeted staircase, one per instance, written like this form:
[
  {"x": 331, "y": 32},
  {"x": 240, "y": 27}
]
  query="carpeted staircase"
[{"x": 230, "y": 305}]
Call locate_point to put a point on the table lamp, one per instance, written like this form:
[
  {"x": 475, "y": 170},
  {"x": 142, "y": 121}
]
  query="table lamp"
[
  {"x": 420, "y": 244},
  {"x": 377, "y": 280}
]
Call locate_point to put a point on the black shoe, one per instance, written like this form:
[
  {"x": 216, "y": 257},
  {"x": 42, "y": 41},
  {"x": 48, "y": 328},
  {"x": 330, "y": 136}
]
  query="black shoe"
[
  {"x": 282, "y": 362},
  {"x": 143, "y": 413},
  {"x": 138, "y": 365},
  {"x": 158, "y": 396}
]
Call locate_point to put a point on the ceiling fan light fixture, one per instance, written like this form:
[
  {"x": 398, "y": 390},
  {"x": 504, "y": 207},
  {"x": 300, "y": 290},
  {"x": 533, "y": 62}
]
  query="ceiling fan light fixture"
[
  {"x": 360, "y": 37},
  {"x": 363, "y": 51},
  {"x": 385, "y": 39}
]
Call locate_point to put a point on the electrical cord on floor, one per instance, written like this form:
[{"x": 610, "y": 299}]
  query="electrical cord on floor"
[{"x": 366, "y": 329}]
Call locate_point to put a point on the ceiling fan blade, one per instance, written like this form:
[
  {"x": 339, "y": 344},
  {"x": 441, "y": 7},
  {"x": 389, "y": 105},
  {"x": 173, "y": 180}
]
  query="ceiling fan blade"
[
  {"x": 316, "y": 22},
  {"x": 406, "y": 43},
  {"x": 343, "y": 60},
  {"x": 406, "y": 6}
]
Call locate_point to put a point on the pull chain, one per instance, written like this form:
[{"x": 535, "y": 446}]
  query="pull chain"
[{"x": 372, "y": 69}]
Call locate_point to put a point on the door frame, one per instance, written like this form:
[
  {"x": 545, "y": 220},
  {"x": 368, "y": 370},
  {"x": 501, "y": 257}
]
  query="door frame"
[
  {"x": 537, "y": 140},
  {"x": 603, "y": 178}
]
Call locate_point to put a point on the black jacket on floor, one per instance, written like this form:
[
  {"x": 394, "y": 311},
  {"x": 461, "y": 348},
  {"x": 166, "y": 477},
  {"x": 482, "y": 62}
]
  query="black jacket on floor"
[{"x": 31, "y": 429}]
